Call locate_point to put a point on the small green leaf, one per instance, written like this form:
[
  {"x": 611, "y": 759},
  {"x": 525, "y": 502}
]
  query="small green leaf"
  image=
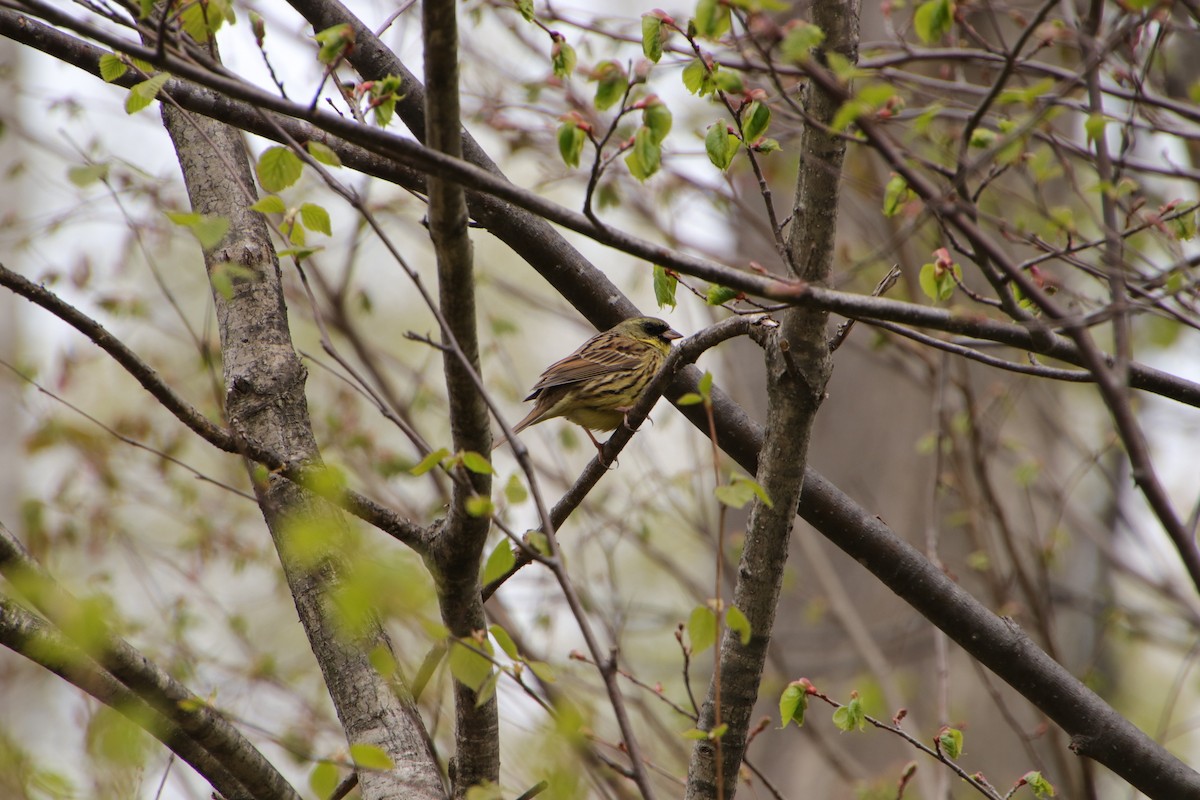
[
  {"x": 111, "y": 67},
  {"x": 737, "y": 622},
  {"x": 704, "y": 385},
  {"x": 430, "y": 461},
  {"x": 755, "y": 121},
  {"x": 501, "y": 560},
  {"x": 515, "y": 491},
  {"x": 299, "y": 253},
  {"x": 224, "y": 276},
  {"x": 938, "y": 283},
  {"x": 702, "y": 628},
  {"x": 800, "y": 39},
  {"x": 699, "y": 79},
  {"x": 792, "y": 704},
  {"x": 562, "y": 58},
  {"x": 720, "y": 145},
  {"x": 526, "y": 9},
  {"x": 740, "y": 491},
  {"x": 315, "y": 218},
  {"x": 370, "y": 756},
  {"x": 712, "y": 18},
  {"x": 719, "y": 295},
  {"x": 334, "y": 41},
  {"x": 87, "y": 175},
  {"x": 664, "y": 287},
  {"x": 611, "y": 82},
  {"x": 982, "y": 138},
  {"x": 1041, "y": 787},
  {"x": 271, "y": 204},
  {"x": 323, "y": 779},
  {"x": 653, "y": 35},
  {"x": 695, "y": 734},
  {"x": 950, "y": 740},
  {"x": 141, "y": 95},
  {"x": 718, "y": 732},
  {"x": 933, "y": 19},
  {"x": 1094, "y": 126},
  {"x": 477, "y": 463},
  {"x": 500, "y": 635},
  {"x": 545, "y": 673},
  {"x": 896, "y": 195},
  {"x": 571, "y": 139},
  {"x": 657, "y": 119},
  {"x": 278, "y": 168},
  {"x": 689, "y": 399},
  {"x": 645, "y": 156},
  {"x": 208, "y": 229},
  {"x": 468, "y": 666},
  {"x": 323, "y": 153},
  {"x": 479, "y": 506},
  {"x": 850, "y": 716}
]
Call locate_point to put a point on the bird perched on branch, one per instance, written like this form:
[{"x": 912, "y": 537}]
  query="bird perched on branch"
[{"x": 597, "y": 385}]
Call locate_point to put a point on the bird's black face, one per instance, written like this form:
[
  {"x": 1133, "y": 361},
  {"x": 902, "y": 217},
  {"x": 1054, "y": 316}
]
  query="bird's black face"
[{"x": 660, "y": 330}]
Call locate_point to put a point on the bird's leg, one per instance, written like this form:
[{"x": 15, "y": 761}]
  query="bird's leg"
[
  {"x": 625, "y": 410},
  {"x": 599, "y": 448}
]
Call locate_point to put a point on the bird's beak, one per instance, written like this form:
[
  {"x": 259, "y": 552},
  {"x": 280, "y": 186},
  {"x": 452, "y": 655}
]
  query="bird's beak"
[{"x": 672, "y": 334}]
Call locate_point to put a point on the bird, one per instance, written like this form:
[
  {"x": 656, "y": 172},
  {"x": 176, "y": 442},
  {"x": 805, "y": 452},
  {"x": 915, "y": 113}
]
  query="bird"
[{"x": 597, "y": 385}]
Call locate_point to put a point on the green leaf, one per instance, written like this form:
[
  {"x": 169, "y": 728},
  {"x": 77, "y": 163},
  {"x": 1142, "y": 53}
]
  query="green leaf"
[
  {"x": 334, "y": 41},
  {"x": 720, "y": 145},
  {"x": 315, "y": 218},
  {"x": 611, "y": 82},
  {"x": 208, "y": 229},
  {"x": 278, "y": 168},
  {"x": 141, "y": 95},
  {"x": 469, "y": 667},
  {"x": 933, "y": 19},
  {"x": 1094, "y": 126},
  {"x": 653, "y": 35},
  {"x": 323, "y": 779},
  {"x": 430, "y": 461},
  {"x": 938, "y": 283},
  {"x": 224, "y": 276},
  {"x": 657, "y": 119},
  {"x": 712, "y": 18},
  {"x": 111, "y": 67},
  {"x": 950, "y": 740},
  {"x": 896, "y": 195},
  {"x": 799, "y": 41},
  {"x": 699, "y": 79},
  {"x": 526, "y": 9},
  {"x": 645, "y": 157},
  {"x": 571, "y": 139},
  {"x": 1041, "y": 787},
  {"x": 477, "y": 463},
  {"x": 545, "y": 673},
  {"x": 370, "y": 756},
  {"x": 299, "y": 253},
  {"x": 718, "y": 732},
  {"x": 202, "y": 20},
  {"x": 87, "y": 175},
  {"x": 792, "y": 704},
  {"x": 664, "y": 287},
  {"x": 271, "y": 204},
  {"x": 740, "y": 491},
  {"x": 702, "y": 628},
  {"x": 719, "y": 295},
  {"x": 514, "y": 490},
  {"x": 689, "y": 399},
  {"x": 501, "y": 560},
  {"x": 704, "y": 386},
  {"x": 562, "y": 58},
  {"x": 501, "y": 636},
  {"x": 850, "y": 716},
  {"x": 755, "y": 121},
  {"x": 479, "y": 506},
  {"x": 737, "y": 622},
  {"x": 695, "y": 734},
  {"x": 323, "y": 153}
]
